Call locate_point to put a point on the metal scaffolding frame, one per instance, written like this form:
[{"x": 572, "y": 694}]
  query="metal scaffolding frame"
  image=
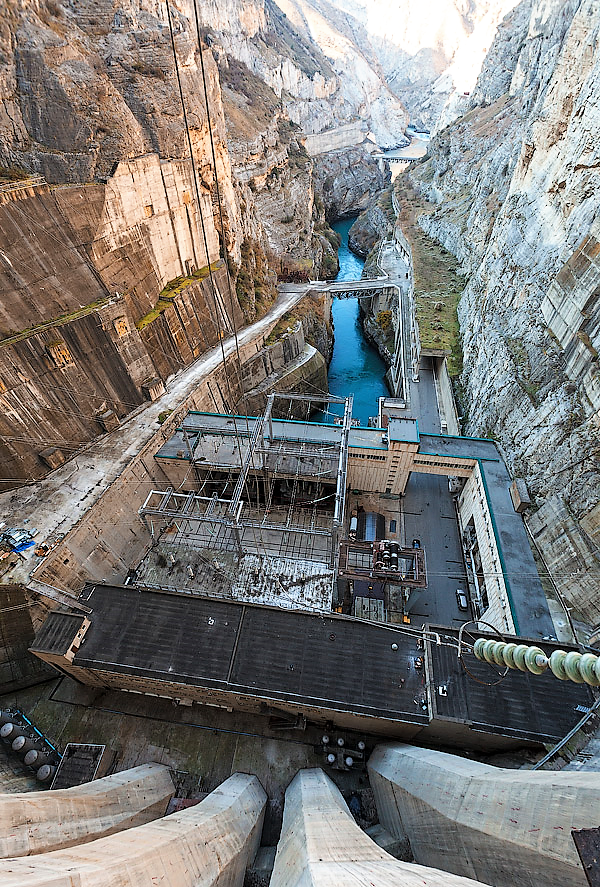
[{"x": 264, "y": 452}]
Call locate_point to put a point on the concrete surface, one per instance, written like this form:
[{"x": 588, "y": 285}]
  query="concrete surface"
[
  {"x": 322, "y": 845},
  {"x": 505, "y": 827},
  {"x": 38, "y": 822},
  {"x": 55, "y": 504},
  {"x": 209, "y": 844}
]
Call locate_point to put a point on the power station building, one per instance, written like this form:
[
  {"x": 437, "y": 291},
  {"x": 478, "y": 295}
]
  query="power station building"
[{"x": 279, "y": 529}]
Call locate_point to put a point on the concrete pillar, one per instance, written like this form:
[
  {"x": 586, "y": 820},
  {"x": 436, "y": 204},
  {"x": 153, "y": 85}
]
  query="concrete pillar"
[
  {"x": 209, "y": 845},
  {"x": 322, "y": 846},
  {"x": 505, "y": 827},
  {"x": 37, "y": 822}
]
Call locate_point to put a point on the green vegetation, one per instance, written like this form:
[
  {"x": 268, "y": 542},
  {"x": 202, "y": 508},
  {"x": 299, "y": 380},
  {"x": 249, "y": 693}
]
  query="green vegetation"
[
  {"x": 260, "y": 98},
  {"x": 310, "y": 311},
  {"x": 179, "y": 283},
  {"x": 384, "y": 319},
  {"x": 438, "y": 282},
  {"x": 13, "y": 174},
  {"x": 67, "y": 317},
  {"x": 253, "y": 284},
  {"x": 172, "y": 289},
  {"x": 284, "y": 323},
  {"x": 384, "y": 202},
  {"x": 162, "y": 417},
  {"x": 329, "y": 266},
  {"x": 332, "y": 236}
]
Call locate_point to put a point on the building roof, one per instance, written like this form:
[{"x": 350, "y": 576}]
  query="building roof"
[
  {"x": 330, "y": 663},
  {"x": 57, "y": 633},
  {"x": 527, "y": 597},
  {"x": 334, "y": 662},
  {"x": 514, "y": 706},
  {"x": 403, "y": 430}
]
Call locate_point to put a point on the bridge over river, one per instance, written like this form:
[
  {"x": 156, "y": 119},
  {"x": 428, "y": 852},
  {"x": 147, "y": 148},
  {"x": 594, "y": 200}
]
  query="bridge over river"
[{"x": 406, "y": 351}]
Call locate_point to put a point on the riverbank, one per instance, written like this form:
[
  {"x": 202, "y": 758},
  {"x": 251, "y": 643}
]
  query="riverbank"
[{"x": 438, "y": 284}]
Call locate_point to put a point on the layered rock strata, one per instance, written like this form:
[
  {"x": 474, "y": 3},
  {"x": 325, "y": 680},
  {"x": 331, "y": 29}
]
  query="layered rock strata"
[{"x": 512, "y": 194}]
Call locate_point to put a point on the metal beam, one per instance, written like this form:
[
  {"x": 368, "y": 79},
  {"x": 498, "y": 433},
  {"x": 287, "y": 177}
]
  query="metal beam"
[
  {"x": 257, "y": 432},
  {"x": 315, "y": 398},
  {"x": 340, "y": 492}
]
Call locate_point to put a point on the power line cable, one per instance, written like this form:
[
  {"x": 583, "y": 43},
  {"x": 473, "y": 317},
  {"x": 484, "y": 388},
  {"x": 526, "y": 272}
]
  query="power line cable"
[{"x": 196, "y": 188}]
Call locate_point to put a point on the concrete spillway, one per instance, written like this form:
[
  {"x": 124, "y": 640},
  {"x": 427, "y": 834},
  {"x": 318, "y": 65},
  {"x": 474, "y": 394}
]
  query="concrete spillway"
[
  {"x": 208, "y": 845},
  {"x": 322, "y": 846},
  {"x": 38, "y": 822},
  {"x": 504, "y": 827}
]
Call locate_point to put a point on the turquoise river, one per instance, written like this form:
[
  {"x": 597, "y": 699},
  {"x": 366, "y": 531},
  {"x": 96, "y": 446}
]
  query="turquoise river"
[{"x": 356, "y": 367}]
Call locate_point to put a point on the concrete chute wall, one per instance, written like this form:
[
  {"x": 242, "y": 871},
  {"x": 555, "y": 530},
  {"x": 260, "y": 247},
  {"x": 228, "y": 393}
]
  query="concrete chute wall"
[
  {"x": 208, "y": 845},
  {"x": 321, "y": 845},
  {"x": 38, "y": 822},
  {"x": 503, "y": 826}
]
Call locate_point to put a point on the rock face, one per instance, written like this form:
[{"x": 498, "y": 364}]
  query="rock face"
[
  {"x": 428, "y": 51},
  {"x": 362, "y": 92},
  {"x": 346, "y": 180},
  {"x": 106, "y": 290},
  {"x": 104, "y": 297},
  {"x": 371, "y": 225},
  {"x": 512, "y": 188}
]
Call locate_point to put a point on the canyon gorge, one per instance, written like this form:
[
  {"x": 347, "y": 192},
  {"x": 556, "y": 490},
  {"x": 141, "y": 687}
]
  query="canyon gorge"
[{"x": 125, "y": 257}]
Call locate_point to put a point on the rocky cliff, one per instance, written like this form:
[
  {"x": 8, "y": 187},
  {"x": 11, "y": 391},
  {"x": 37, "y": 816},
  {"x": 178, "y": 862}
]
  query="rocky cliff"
[
  {"x": 428, "y": 52},
  {"x": 512, "y": 192},
  {"x": 131, "y": 264},
  {"x": 347, "y": 179}
]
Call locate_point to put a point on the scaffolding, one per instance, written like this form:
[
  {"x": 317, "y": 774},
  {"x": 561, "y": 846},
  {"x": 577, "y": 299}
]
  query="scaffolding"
[{"x": 307, "y": 461}]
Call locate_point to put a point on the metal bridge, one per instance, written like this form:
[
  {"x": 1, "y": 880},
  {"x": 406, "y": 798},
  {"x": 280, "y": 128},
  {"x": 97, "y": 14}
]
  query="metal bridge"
[{"x": 344, "y": 289}]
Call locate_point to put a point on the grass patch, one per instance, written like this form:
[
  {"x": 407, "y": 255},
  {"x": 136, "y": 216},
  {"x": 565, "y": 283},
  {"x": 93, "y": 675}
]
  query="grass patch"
[
  {"x": 438, "y": 282},
  {"x": 179, "y": 283},
  {"x": 171, "y": 290},
  {"x": 13, "y": 174},
  {"x": 309, "y": 310},
  {"x": 284, "y": 323}
]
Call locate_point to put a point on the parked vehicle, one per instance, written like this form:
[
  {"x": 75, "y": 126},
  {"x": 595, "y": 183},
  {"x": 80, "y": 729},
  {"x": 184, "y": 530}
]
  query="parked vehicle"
[
  {"x": 461, "y": 599},
  {"x": 416, "y": 543}
]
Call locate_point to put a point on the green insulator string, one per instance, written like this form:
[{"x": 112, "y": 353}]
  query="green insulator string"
[{"x": 573, "y": 666}]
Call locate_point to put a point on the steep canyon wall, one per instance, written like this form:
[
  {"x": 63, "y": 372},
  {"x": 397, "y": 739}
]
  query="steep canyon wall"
[
  {"x": 512, "y": 193},
  {"x": 105, "y": 289}
]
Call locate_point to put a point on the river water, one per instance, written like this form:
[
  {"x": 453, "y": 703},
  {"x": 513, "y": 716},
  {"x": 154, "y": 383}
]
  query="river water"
[{"x": 356, "y": 367}]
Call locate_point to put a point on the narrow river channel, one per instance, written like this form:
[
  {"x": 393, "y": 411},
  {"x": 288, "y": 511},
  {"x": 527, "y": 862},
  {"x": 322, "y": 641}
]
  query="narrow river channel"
[{"x": 356, "y": 367}]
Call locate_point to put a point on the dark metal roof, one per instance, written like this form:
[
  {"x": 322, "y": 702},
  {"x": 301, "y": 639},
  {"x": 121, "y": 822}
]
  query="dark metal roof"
[
  {"x": 57, "y": 633},
  {"x": 523, "y": 705},
  {"x": 332, "y": 662},
  {"x": 328, "y": 662}
]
